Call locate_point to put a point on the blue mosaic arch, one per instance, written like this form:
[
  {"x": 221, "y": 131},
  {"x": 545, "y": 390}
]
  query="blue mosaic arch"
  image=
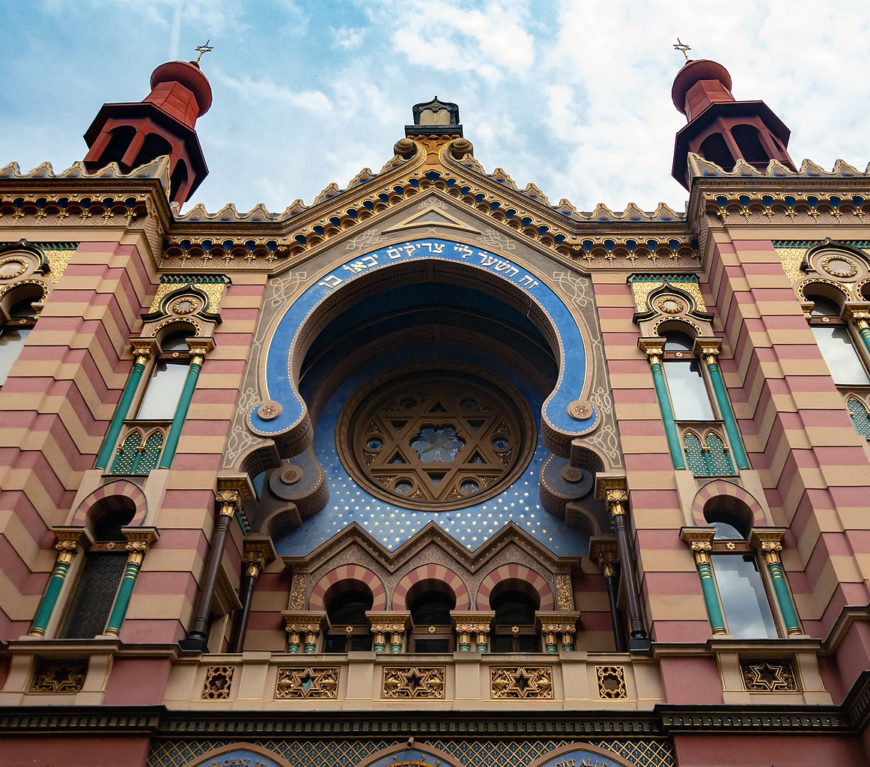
[{"x": 267, "y": 420}]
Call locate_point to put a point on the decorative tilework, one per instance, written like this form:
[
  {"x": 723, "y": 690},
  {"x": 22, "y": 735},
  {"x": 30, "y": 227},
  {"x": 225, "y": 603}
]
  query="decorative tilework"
[
  {"x": 392, "y": 525},
  {"x": 572, "y": 351},
  {"x": 479, "y": 752}
]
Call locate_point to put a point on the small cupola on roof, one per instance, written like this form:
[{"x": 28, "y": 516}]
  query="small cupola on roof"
[
  {"x": 133, "y": 134},
  {"x": 721, "y": 129},
  {"x": 433, "y": 118}
]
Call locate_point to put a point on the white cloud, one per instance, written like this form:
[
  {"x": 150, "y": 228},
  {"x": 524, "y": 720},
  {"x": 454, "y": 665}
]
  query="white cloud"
[
  {"x": 267, "y": 95},
  {"x": 347, "y": 38}
]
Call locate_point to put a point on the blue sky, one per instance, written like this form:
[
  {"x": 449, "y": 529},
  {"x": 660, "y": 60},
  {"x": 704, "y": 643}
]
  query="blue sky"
[{"x": 572, "y": 96}]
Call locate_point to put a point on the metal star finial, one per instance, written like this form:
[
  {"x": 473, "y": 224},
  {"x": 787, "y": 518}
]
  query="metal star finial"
[
  {"x": 680, "y": 46},
  {"x": 203, "y": 49}
]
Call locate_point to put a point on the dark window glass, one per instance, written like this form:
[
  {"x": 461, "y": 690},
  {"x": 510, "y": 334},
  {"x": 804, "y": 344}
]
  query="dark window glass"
[
  {"x": 689, "y": 396},
  {"x": 824, "y": 307},
  {"x": 108, "y": 527},
  {"x": 431, "y": 608},
  {"x": 349, "y": 608},
  {"x": 725, "y": 531},
  {"x": 11, "y": 341},
  {"x": 431, "y": 645},
  {"x": 747, "y": 610},
  {"x": 175, "y": 342},
  {"x": 678, "y": 342},
  {"x": 843, "y": 361},
  {"x": 94, "y": 595},
  {"x": 514, "y": 608},
  {"x": 164, "y": 390}
]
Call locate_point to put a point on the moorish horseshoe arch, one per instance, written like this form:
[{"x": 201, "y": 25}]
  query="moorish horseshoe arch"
[{"x": 282, "y": 415}]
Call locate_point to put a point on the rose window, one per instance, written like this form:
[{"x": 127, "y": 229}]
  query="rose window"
[{"x": 439, "y": 439}]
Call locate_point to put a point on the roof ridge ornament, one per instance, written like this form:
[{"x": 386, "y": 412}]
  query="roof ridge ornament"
[
  {"x": 435, "y": 117},
  {"x": 680, "y": 46}
]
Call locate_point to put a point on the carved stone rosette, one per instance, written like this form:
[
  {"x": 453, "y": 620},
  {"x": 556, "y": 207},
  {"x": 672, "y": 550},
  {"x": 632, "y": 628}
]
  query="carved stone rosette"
[
  {"x": 611, "y": 682},
  {"x": 414, "y": 682},
  {"x": 218, "y": 682}
]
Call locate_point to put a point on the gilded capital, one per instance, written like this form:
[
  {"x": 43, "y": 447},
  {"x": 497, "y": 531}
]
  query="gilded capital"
[
  {"x": 653, "y": 347},
  {"x": 708, "y": 349},
  {"x": 199, "y": 348},
  {"x": 143, "y": 349},
  {"x": 700, "y": 541},
  {"x": 229, "y": 502}
]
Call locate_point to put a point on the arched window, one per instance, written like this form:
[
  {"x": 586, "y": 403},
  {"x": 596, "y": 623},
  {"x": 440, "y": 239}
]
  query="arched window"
[
  {"x": 514, "y": 627},
  {"x": 101, "y": 573},
  {"x": 432, "y": 630},
  {"x": 14, "y": 329},
  {"x": 714, "y": 149},
  {"x": 178, "y": 178},
  {"x": 167, "y": 378},
  {"x": 690, "y": 399},
  {"x": 349, "y": 628},
  {"x": 835, "y": 341},
  {"x": 749, "y": 144},
  {"x": 741, "y": 587},
  {"x": 153, "y": 147},
  {"x": 118, "y": 144}
]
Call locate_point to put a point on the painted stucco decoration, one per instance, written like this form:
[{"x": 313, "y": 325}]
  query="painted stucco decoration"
[
  {"x": 571, "y": 352},
  {"x": 249, "y": 756},
  {"x": 575, "y": 755},
  {"x": 410, "y": 756}
]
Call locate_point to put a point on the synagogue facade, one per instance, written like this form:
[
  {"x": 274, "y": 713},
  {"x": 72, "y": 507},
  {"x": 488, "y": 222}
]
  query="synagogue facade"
[{"x": 434, "y": 471}]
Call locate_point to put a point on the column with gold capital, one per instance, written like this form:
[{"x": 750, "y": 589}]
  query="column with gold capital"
[
  {"x": 255, "y": 555},
  {"x": 229, "y": 501},
  {"x": 613, "y": 491},
  {"x": 701, "y": 544},
  {"x": 69, "y": 543},
  {"x": 770, "y": 543},
  {"x": 199, "y": 347},
  {"x": 859, "y": 315},
  {"x": 709, "y": 349},
  {"x": 138, "y": 541},
  {"x": 143, "y": 348},
  {"x": 605, "y": 554},
  {"x": 654, "y": 349}
]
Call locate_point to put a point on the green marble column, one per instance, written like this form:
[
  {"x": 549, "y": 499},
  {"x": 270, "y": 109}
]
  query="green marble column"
[
  {"x": 653, "y": 348},
  {"x": 736, "y": 444},
  {"x": 117, "y": 422},
  {"x": 701, "y": 548},
  {"x": 66, "y": 551},
  {"x": 135, "y": 556},
  {"x": 771, "y": 549}
]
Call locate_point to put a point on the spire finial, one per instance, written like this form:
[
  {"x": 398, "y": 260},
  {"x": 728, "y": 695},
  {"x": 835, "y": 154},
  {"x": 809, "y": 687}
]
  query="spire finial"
[
  {"x": 205, "y": 49},
  {"x": 680, "y": 46}
]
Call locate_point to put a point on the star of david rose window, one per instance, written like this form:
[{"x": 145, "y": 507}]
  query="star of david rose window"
[{"x": 435, "y": 439}]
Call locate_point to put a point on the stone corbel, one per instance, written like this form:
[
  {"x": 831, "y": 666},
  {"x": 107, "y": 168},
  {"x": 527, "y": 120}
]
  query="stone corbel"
[
  {"x": 558, "y": 630},
  {"x": 389, "y": 630},
  {"x": 472, "y": 629},
  {"x": 303, "y": 628}
]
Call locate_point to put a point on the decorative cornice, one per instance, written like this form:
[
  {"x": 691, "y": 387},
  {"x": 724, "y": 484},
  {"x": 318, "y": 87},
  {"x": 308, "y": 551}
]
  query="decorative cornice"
[{"x": 663, "y": 721}]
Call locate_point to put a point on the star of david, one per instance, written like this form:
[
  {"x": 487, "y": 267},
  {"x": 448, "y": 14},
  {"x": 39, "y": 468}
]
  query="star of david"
[{"x": 768, "y": 676}]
